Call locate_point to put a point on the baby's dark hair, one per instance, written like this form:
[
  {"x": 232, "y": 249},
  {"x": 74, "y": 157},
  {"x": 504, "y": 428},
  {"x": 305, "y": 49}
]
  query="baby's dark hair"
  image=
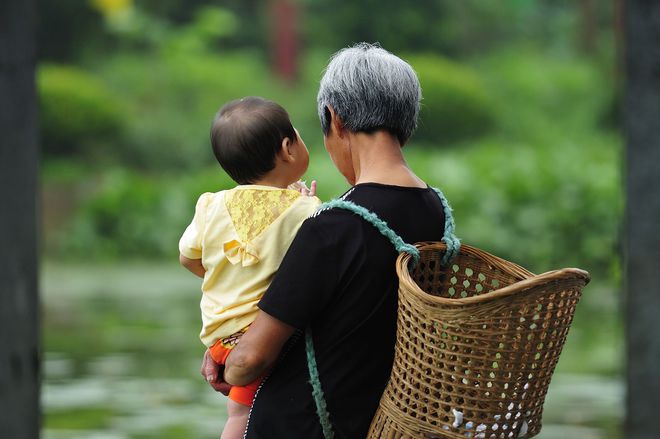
[{"x": 246, "y": 136}]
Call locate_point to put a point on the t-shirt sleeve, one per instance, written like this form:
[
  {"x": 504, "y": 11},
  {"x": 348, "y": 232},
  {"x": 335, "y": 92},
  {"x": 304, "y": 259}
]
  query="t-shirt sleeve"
[
  {"x": 190, "y": 244},
  {"x": 307, "y": 277}
]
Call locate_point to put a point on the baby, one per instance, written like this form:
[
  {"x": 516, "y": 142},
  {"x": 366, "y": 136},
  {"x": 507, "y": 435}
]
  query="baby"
[{"x": 238, "y": 237}]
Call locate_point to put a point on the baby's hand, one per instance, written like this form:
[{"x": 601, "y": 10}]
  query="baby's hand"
[
  {"x": 301, "y": 187},
  {"x": 311, "y": 192}
]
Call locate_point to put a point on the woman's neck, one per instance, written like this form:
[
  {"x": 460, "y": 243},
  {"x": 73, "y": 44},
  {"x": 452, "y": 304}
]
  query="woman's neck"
[{"x": 377, "y": 158}]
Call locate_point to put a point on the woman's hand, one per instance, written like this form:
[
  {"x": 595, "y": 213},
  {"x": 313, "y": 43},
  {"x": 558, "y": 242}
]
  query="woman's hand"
[
  {"x": 257, "y": 350},
  {"x": 213, "y": 373}
]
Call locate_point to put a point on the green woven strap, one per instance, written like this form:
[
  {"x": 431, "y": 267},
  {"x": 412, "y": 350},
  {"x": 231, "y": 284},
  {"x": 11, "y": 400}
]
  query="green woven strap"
[
  {"x": 449, "y": 238},
  {"x": 453, "y": 247},
  {"x": 380, "y": 225},
  {"x": 317, "y": 391}
]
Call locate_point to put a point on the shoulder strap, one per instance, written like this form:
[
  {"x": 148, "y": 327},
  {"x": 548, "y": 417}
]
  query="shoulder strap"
[
  {"x": 378, "y": 223},
  {"x": 453, "y": 247},
  {"x": 317, "y": 390},
  {"x": 449, "y": 238}
]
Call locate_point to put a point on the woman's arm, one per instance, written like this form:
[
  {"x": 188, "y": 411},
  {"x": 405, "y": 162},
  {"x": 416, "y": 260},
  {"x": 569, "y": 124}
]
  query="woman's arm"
[
  {"x": 193, "y": 265},
  {"x": 257, "y": 350}
]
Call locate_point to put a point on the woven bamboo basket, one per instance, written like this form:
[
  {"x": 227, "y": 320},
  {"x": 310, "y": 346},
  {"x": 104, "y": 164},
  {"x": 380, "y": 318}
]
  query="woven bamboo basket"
[{"x": 477, "y": 344}]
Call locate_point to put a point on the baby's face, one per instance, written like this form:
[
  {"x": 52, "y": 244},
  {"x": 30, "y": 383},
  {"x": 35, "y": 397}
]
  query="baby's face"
[{"x": 302, "y": 155}]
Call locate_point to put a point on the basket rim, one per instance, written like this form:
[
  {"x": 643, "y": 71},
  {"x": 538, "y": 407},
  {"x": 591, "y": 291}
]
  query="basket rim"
[{"x": 527, "y": 278}]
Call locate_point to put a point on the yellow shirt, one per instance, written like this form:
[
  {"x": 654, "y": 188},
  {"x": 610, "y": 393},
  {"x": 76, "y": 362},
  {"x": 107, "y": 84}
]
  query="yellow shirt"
[{"x": 241, "y": 236}]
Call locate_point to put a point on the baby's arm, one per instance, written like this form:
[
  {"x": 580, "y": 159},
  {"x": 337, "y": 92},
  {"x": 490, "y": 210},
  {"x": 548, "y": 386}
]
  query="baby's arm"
[{"x": 193, "y": 265}]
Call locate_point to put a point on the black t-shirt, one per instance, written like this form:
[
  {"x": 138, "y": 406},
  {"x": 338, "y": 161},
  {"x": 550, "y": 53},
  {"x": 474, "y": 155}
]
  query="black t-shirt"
[{"x": 339, "y": 277}]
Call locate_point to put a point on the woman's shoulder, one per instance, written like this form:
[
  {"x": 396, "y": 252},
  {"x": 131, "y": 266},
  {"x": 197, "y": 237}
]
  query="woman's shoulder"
[
  {"x": 397, "y": 207},
  {"x": 331, "y": 221}
]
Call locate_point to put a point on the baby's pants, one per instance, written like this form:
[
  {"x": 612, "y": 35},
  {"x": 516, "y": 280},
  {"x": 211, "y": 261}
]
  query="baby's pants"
[{"x": 240, "y": 394}]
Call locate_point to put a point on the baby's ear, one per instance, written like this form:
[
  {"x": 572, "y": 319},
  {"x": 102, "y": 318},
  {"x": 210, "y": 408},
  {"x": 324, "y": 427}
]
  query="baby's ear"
[{"x": 286, "y": 152}]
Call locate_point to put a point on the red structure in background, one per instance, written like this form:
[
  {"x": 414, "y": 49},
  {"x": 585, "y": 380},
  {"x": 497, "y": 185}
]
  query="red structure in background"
[{"x": 284, "y": 40}]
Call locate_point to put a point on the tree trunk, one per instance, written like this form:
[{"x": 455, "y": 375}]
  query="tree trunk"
[
  {"x": 19, "y": 318},
  {"x": 285, "y": 42},
  {"x": 618, "y": 33},
  {"x": 587, "y": 26},
  {"x": 642, "y": 247}
]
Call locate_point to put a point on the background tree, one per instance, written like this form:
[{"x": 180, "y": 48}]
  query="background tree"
[
  {"x": 71, "y": 28},
  {"x": 19, "y": 348},
  {"x": 642, "y": 106}
]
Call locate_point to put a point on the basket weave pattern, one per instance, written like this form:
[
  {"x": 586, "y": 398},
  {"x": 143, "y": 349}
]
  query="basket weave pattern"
[{"x": 477, "y": 343}]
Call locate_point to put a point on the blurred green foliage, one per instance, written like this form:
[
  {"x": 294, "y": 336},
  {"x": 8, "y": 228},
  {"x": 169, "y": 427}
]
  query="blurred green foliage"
[
  {"x": 134, "y": 215},
  {"x": 514, "y": 136},
  {"x": 541, "y": 207},
  {"x": 171, "y": 100},
  {"x": 455, "y": 106},
  {"x": 544, "y": 207},
  {"x": 531, "y": 172},
  {"x": 547, "y": 96},
  {"x": 458, "y": 28},
  {"x": 78, "y": 112},
  {"x": 68, "y": 29},
  {"x": 340, "y": 23}
]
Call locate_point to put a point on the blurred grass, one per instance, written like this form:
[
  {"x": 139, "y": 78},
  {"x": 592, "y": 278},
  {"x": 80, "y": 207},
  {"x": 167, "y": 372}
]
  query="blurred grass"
[
  {"x": 80, "y": 418},
  {"x": 122, "y": 358}
]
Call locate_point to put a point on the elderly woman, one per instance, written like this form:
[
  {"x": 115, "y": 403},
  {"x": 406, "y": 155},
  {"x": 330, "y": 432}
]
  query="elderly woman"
[{"x": 338, "y": 278}]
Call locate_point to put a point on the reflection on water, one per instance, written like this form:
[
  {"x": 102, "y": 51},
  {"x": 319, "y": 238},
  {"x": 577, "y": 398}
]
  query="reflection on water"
[{"x": 122, "y": 359}]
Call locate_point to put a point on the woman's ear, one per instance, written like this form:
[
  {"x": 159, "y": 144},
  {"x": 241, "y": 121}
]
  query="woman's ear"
[{"x": 336, "y": 124}]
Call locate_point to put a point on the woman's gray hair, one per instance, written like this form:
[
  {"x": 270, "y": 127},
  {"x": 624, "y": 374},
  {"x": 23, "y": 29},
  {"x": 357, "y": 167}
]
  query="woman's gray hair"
[{"x": 370, "y": 89}]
